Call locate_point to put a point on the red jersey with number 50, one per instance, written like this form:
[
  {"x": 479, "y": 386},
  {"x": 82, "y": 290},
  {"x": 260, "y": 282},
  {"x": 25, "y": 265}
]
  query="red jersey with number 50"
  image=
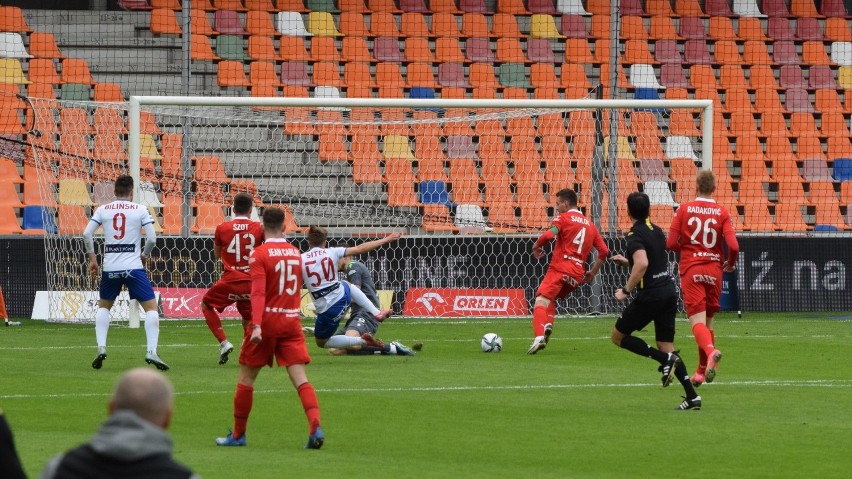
[
  {"x": 276, "y": 284},
  {"x": 235, "y": 240},
  {"x": 577, "y": 235},
  {"x": 698, "y": 231}
]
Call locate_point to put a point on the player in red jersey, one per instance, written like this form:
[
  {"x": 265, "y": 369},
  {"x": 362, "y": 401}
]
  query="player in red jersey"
[
  {"x": 275, "y": 331},
  {"x": 697, "y": 232},
  {"x": 233, "y": 242},
  {"x": 575, "y": 237}
]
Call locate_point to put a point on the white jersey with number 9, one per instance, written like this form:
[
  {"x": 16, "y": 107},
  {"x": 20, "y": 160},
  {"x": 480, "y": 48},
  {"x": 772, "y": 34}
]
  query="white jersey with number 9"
[{"x": 122, "y": 222}]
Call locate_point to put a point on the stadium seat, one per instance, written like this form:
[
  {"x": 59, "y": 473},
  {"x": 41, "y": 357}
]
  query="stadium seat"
[
  {"x": 747, "y": 8},
  {"x": 572, "y": 7},
  {"x": 692, "y": 28},
  {"x": 207, "y": 217},
  {"x": 792, "y": 76},
  {"x": 642, "y": 76},
  {"x": 232, "y": 74},
  {"x": 260, "y": 23},
  {"x": 12, "y": 20},
  {"x": 436, "y": 218},
  {"x": 292, "y": 24},
  {"x": 434, "y": 192},
  {"x": 544, "y": 26},
  {"x": 230, "y": 47},
  {"x": 9, "y": 224},
  {"x": 413, "y": 25},
  {"x": 778, "y": 28},
  {"x": 322, "y": 24},
  {"x": 228, "y": 22},
  {"x": 12, "y": 46},
  {"x": 755, "y": 53},
  {"x": 72, "y": 219},
  {"x": 841, "y": 53},
  {"x": 695, "y": 52},
  {"x": 718, "y": 8},
  {"x": 38, "y": 220},
  {"x": 821, "y": 77},
  {"x": 788, "y": 217},
  {"x": 836, "y": 29}
]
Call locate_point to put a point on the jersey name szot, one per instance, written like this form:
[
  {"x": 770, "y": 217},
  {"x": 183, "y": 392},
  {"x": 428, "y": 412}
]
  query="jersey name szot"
[{"x": 237, "y": 238}]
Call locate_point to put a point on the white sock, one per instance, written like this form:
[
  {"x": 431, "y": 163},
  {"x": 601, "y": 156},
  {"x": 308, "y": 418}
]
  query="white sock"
[
  {"x": 392, "y": 348},
  {"x": 359, "y": 298},
  {"x": 341, "y": 341},
  {"x": 101, "y": 326},
  {"x": 152, "y": 330}
]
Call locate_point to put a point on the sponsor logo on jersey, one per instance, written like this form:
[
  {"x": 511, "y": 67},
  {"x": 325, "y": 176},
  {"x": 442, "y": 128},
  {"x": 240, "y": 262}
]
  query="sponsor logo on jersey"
[{"x": 119, "y": 248}]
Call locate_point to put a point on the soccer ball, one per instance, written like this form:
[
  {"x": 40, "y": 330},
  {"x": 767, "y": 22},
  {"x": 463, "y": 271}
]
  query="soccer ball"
[{"x": 491, "y": 343}]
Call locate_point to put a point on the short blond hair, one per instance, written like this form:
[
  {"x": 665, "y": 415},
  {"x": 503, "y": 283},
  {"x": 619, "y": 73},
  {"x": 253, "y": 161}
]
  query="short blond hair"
[{"x": 705, "y": 182}]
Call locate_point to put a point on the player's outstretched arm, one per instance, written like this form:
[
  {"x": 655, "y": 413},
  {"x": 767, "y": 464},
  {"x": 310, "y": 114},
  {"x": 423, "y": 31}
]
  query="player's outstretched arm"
[
  {"x": 371, "y": 245},
  {"x": 673, "y": 238}
]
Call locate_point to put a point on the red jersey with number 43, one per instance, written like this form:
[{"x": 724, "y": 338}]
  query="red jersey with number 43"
[
  {"x": 699, "y": 230},
  {"x": 276, "y": 284},
  {"x": 235, "y": 240},
  {"x": 575, "y": 240}
]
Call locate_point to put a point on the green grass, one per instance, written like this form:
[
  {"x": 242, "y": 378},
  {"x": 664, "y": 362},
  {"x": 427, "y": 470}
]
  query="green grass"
[{"x": 781, "y": 405}]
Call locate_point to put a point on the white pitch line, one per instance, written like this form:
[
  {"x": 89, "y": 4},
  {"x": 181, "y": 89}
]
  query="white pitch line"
[{"x": 826, "y": 383}]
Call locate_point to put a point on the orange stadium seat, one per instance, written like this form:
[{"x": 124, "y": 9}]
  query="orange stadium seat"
[
  {"x": 232, "y": 74},
  {"x": 76, "y": 70},
  {"x": 12, "y": 20},
  {"x": 43, "y": 70},
  {"x": 164, "y": 22},
  {"x": 43, "y": 45},
  {"x": 9, "y": 223},
  {"x": 260, "y": 23},
  {"x": 383, "y": 24},
  {"x": 417, "y": 50}
]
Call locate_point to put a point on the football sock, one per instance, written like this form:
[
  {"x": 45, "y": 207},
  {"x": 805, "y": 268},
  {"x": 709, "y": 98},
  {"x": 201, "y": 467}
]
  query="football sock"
[
  {"x": 373, "y": 350},
  {"x": 539, "y": 320},
  {"x": 152, "y": 330},
  {"x": 214, "y": 322},
  {"x": 243, "y": 398},
  {"x": 683, "y": 377},
  {"x": 341, "y": 341},
  {"x": 703, "y": 338},
  {"x": 361, "y": 299},
  {"x": 101, "y": 326},
  {"x": 310, "y": 404},
  {"x": 638, "y": 346},
  {"x": 551, "y": 312}
]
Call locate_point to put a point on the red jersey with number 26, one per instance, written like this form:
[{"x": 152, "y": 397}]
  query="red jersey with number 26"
[
  {"x": 699, "y": 229},
  {"x": 577, "y": 235},
  {"x": 236, "y": 239},
  {"x": 276, "y": 284}
]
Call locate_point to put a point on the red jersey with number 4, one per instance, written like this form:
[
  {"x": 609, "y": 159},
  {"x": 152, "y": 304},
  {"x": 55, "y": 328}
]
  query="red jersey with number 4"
[
  {"x": 235, "y": 240},
  {"x": 577, "y": 235},
  {"x": 699, "y": 230},
  {"x": 276, "y": 284}
]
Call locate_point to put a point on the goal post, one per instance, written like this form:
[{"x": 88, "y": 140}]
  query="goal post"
[{"x": 469, "y": 182}]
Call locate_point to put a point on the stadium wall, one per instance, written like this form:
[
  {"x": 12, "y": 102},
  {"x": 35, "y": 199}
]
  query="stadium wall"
[{"x": 774, "y": 274}]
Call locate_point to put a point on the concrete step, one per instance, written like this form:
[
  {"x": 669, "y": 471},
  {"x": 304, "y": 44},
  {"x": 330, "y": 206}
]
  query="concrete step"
[{"x": 323, "y": 189}]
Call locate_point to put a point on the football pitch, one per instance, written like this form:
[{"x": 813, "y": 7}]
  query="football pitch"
[{"x": 781, "y": 405}]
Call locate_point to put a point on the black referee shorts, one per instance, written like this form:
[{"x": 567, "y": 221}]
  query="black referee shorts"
[{"x": 640, "y": 312}]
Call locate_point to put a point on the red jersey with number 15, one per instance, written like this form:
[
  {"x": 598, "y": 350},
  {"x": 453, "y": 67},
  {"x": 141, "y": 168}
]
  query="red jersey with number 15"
[
  {"x": 699, "y": 230},
  {"x": 577, "y": 235},
  {"x": 235, "y": 240},
  {"x": 276, "y": 284}
]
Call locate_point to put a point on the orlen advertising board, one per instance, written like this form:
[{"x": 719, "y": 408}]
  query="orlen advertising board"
[{"x": 459, "y": 302}]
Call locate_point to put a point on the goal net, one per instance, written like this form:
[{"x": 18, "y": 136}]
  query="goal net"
[{"x": 470, "y": 183}]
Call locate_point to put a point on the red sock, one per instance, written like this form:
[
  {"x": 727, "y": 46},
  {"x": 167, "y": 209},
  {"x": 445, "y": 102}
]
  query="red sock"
[
  {"x": 551, "y": 312},
  {"x": 539, "y": 320},
  {"x": 211, "y": 317},
  {"x": 703, "y": 338},
  {"x": 242, "y": 408},
  {"x": 310, "y": 404}
]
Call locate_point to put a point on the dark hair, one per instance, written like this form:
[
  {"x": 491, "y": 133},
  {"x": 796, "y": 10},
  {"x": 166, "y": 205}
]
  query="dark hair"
[
  {"x": 124, "y": 186},
  {"x": 243, "y": 203},
  {"x": 568, "y": 195},
  {"x": 273, "y": 219},
  {"x": 638, "y": 205},
  {"x": 317, "y": 235},
  {"x": 706, "y": 182}
]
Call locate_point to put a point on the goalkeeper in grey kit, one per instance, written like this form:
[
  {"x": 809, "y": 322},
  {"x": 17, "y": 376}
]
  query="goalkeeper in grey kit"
[{"x": 360, "y": 320}]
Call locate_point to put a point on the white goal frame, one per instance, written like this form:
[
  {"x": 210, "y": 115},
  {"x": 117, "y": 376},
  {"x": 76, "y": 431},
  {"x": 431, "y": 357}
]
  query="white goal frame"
[{"x": 137, "y": 103}]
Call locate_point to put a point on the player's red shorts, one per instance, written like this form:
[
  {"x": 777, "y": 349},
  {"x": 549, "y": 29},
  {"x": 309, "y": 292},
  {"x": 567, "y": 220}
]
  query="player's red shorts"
[
  {"x": 701, "y": 286},
  {"x": 556, "y": 284},
  {"x": 283, "y": 340},
  {"x": 228, "y": 291}
]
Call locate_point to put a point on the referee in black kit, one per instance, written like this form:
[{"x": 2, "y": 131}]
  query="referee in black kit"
[{"x": 655, "y": 300}]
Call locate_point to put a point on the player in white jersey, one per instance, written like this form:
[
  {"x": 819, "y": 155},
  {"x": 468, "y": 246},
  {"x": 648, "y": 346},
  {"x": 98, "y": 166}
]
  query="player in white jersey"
[
  {"x": 123, "y": 222},
  {"x": 332, "y": 296}
]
